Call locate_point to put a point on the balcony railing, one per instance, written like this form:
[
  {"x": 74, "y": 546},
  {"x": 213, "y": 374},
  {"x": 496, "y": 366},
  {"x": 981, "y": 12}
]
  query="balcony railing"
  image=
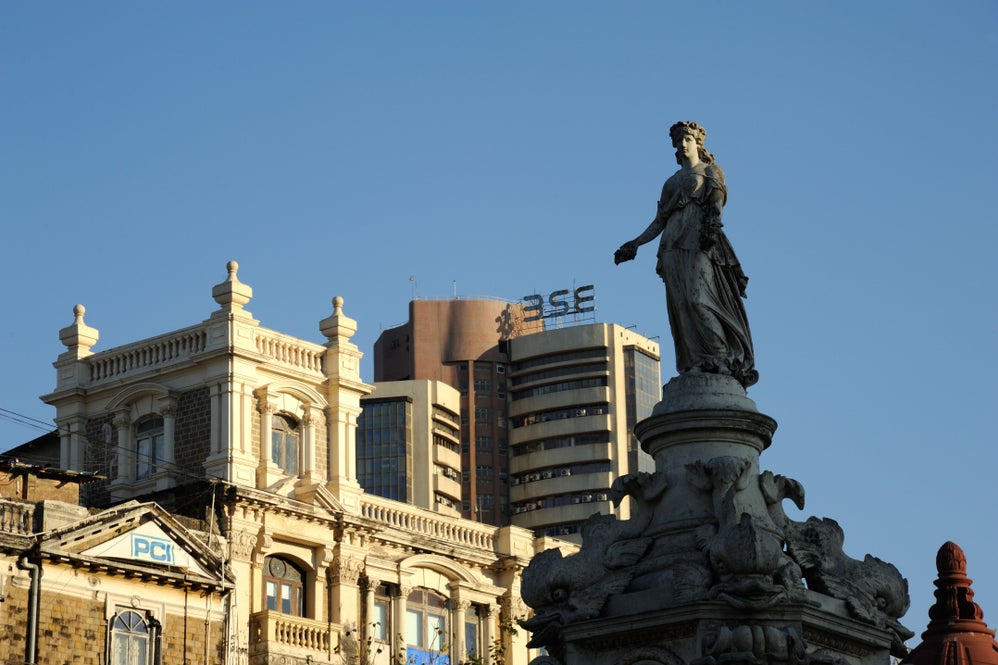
[
  {"x": 147, "y": 354},
  {"x": 425, "y": 523},
  {"x": 15, "y": 517},
  {"x": 290, "y": 351},
  {"x": 275, "y": 632}
]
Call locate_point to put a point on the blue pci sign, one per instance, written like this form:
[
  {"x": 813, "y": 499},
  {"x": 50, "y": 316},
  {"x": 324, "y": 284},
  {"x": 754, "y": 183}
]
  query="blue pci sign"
[{"x": 150, "y": 548}]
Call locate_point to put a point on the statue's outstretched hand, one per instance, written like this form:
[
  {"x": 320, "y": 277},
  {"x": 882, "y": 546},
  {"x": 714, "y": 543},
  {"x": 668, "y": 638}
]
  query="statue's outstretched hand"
[{"x": 626, "y": 252}]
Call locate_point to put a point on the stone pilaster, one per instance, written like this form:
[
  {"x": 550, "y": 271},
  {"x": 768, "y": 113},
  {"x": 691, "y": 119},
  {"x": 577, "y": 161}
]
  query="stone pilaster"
[
  {"x": 231, "y": 327},
  {"x": 341, "y": 365}
]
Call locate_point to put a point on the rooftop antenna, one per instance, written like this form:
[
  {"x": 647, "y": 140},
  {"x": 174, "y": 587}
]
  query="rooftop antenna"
[
  {"x": 412, "y": 278},
  {"x": 455, "y": 289}
]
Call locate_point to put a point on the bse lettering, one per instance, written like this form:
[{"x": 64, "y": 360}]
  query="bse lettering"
[{"x": 558, "y": 305}]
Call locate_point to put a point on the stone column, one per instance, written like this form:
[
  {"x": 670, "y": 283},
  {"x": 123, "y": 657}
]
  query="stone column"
[
  {"x": 165, "y": 468},
  {"x": 78, "y": 442},
  {"x": 324, "y": 560},
  {"x": 400, "y": 640},
  {"x": 366, "y": 630},
  {"x": 266, "y": 464},
  {"x": 458, "y": 608},
  {"x": 126, "y": 460},
  {"x": 345, "y": 588},
  {"x": 308, "y": 443},
  {"x": 489, "y": 613},
  {"x": 169, "y": 413}
]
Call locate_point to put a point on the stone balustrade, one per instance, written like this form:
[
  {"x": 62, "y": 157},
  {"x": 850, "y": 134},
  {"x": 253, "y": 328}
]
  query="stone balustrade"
[
  {"x": 15, "y": 517},
  {"x": 148, "y": 354},
  {"x": 425, "y": 523},
  {"x": 289, "y": 351},
  {"x": 272, "y": 631}
]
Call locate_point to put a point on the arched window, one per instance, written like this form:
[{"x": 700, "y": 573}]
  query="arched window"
[
  {"x": 284, "y": 437},
  {"x": 132, "y": 639},
  {"x": 283, "y": 585},
  {"x": 148, "y": 447},
  {"x": 425, "y": 626}
]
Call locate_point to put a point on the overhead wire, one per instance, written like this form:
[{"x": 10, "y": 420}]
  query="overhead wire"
[{"x": 108, "y": 448}]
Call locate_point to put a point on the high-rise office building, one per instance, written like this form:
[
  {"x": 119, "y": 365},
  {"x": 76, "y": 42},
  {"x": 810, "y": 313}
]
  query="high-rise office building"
[
  {"x": 458, "y": 342},
  {"x": 575, "y": 395},
  {"x": 409, "y": 444},
  {"x": 529, "y": 457}
]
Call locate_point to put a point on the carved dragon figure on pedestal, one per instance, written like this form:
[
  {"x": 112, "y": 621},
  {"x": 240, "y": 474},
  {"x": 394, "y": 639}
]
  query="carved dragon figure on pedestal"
[{"x": 758, "y": 558}]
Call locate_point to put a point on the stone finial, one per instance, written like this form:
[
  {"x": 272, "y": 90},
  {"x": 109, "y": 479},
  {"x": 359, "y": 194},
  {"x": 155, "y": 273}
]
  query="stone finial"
[
  {"x": 79, "y": 337},
  {"x": 232, "y": 294},
  {"x": 957, "y": 633},
  {"x": 338, "y": 326}
]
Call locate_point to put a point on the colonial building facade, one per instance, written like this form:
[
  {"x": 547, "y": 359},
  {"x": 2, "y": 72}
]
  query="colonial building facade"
[{"x": 233, "y": 424}]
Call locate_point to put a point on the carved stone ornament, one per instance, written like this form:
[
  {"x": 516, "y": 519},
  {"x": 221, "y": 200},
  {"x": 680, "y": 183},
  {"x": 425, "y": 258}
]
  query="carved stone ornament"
[
  {"x": 650, "y": 656},
  {"x": 122, "y": 420},
  {"x": 242, "y": 544},
  {"x": 347, "y": 570},
  {"x": 873, "y": 590},
  {"x": 564, "y": 590},
  {"x": 752, "y": 643}
]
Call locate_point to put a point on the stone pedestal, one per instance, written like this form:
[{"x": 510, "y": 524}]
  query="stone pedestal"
[
  {"x": 707, "y": 633},
  {"x": 709, "y": 569}
]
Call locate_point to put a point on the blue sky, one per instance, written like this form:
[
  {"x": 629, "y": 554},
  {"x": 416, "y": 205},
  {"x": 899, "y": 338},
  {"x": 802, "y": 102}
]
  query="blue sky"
[{"x": 506, "y": 149}]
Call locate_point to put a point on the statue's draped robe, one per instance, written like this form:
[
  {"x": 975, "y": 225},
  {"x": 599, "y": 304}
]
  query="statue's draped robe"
[{"x": 704, "y": 287}]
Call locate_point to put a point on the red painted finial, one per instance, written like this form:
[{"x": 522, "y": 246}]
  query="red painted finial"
[
  {"x": 954, "y": 597},
  {"x": 956, "y": 634}
]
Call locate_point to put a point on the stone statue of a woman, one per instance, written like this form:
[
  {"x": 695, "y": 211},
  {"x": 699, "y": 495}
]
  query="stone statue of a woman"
[{"x": 704, "y": 282}]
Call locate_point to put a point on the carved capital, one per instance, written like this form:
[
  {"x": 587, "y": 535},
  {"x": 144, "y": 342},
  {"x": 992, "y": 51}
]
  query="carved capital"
[
  {"x": 242, "y": 544},
  {"x": 122, "y": 420},
  {"x": 347, "y": 570},
  {"x": 166, "y": 406}
]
